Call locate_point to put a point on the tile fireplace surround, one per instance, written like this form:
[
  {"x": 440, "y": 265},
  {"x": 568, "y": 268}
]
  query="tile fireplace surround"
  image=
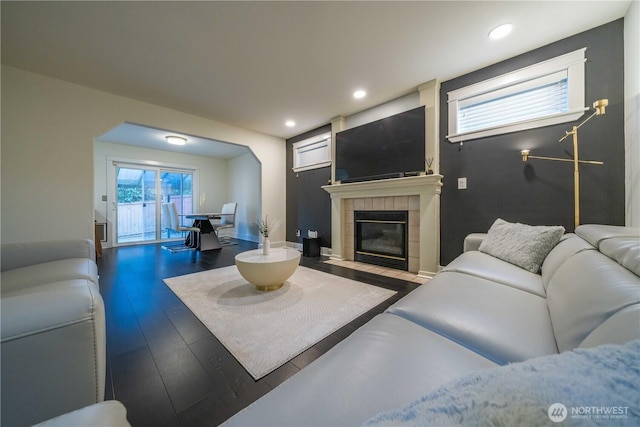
[{"x": 420, "y": 195}]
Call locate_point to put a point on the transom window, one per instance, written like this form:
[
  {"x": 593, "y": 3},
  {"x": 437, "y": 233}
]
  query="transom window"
[
  {"x": 543, "y": 94},
  {"x": 312, "y": 153}
]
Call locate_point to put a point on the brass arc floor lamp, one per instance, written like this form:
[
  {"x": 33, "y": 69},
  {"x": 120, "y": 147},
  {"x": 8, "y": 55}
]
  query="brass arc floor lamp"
[{"x": 599, "y": 107}]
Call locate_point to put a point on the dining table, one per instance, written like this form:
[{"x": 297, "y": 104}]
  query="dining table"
[{"x": 208, "y": 238}]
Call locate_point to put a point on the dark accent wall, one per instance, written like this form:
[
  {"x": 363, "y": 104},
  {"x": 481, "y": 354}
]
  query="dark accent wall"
[
  {"x": 308, "y": 205},
  {"x": 539, "y": 192}
]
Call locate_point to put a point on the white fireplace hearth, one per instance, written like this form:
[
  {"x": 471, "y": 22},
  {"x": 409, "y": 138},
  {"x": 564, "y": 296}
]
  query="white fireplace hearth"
[{"x": 419, "y": 195}]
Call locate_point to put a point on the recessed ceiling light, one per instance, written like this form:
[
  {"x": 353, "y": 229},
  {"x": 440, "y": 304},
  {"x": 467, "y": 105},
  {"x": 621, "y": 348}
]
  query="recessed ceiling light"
[
  {"x": 359, "y": 94},
  {"x": 290, "y": 123},
  {"x": 176, "y": 140},
  {"x": 500, "y": 31}
]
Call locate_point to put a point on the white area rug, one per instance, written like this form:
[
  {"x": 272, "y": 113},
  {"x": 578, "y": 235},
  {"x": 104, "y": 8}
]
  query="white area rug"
[{"x": 264, "y": 330}]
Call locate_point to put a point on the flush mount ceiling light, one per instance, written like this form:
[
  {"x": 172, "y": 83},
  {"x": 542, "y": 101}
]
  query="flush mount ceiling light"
[
  {"x": 176, "y": 140},
  {"x": 290, "y": 123},
  {"x": 500, "y": 31},
  {"x": 359, "y": 94}
]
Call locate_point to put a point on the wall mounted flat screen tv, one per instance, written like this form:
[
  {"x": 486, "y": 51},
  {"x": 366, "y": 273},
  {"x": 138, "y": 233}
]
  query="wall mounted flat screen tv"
[{"x": 387, "y": 148}]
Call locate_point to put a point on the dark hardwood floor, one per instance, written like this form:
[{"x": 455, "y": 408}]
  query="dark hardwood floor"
[{"x": 163, "y": 364}]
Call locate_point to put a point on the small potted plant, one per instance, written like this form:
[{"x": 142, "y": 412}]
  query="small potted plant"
[
  {"x": 264, "y": 228},
  {"x": 429, "y": 162}
]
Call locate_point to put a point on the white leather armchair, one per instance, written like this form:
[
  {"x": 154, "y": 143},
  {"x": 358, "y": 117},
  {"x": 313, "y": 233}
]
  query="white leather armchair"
[{"x": 53, "y": 330}]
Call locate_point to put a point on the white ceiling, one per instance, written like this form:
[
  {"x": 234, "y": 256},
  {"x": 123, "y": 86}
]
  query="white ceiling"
[
  {"x": 147, "y": 137},
  {"x": 257, "y": 64}
]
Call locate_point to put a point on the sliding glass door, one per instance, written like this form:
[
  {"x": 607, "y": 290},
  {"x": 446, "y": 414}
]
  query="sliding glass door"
[
  {"x": 136, "y": 205},
  {"x": 140, "y": 192}
]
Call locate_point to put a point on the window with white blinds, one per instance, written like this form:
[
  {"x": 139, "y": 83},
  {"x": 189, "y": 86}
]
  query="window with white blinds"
[
  {"x": 546, "y": 93},
  {"x": 312, "y": 153}
]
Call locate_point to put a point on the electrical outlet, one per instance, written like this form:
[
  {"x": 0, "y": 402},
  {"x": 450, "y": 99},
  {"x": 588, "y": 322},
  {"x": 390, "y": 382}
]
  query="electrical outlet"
[
  {"x": 297, "y": 233},
  {"x": 104, "y": 198},
  {"x": 462, "y": 183}
]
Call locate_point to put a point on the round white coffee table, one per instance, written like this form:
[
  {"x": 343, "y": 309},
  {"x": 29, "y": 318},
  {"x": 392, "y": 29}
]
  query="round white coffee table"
[{"x": 268, "y": 272}]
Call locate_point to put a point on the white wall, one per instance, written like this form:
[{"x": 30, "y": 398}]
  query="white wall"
[
  {"x": 48, "y": 129},
  {"x": 210, "y": 187},
  {"x": 632, "y": 113},
  {"x": 244, "y": 186}
]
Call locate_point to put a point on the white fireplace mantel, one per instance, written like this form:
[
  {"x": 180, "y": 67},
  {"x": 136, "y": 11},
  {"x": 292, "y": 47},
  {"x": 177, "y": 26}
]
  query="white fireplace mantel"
[{"x": 427, "y": 187}]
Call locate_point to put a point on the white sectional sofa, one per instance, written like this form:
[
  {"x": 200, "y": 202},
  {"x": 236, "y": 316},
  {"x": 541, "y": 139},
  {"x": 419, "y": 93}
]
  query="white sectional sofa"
[
  {"x": 480, "y": 319},
  {"x": 53, "y": 336}
]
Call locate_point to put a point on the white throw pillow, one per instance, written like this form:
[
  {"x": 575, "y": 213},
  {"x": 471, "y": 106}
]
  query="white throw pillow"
[{"x": 523, "y": 245}]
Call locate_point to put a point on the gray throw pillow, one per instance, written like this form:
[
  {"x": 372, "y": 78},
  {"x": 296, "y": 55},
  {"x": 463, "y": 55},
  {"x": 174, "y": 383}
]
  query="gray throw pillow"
[{"x": 523, "y": 245}]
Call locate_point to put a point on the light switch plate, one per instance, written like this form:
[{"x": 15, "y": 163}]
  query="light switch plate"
[{"x": 462, "y": 183}]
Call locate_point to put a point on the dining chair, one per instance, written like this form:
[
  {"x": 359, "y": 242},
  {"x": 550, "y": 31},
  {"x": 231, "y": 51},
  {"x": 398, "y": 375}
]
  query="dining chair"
[
  {"x": 174, "y": 223},
  {"x": 227, "y": 220}
]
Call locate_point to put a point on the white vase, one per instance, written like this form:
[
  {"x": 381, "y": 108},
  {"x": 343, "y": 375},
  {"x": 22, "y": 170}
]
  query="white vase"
[{"x": 266, "y": 246}]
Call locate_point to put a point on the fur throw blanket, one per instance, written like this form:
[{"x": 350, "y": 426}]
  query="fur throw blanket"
[{"x": 597, "y": 386}]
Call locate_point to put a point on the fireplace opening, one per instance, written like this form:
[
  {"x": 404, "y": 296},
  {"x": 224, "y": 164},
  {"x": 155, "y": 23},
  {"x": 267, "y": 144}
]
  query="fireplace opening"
[{"x": 381, "y": 238}]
